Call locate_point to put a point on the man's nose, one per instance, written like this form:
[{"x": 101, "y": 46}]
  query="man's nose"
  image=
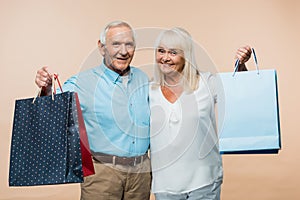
[{"x": 123, "y": 49}]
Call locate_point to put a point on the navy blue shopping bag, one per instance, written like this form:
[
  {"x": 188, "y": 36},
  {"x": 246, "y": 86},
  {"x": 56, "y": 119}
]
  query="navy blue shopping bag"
[{"x": 46, "y": 147}]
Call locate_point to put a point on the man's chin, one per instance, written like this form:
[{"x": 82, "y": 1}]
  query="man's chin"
[
  {"x": 121, "y": 66},
  {"x": 120, "y": 69}
]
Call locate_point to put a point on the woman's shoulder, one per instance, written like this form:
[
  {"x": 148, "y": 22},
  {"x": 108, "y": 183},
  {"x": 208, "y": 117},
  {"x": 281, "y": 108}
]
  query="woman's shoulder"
[
  {"x": 208, "y": 77},
  {"x": 153, "y": 86}
]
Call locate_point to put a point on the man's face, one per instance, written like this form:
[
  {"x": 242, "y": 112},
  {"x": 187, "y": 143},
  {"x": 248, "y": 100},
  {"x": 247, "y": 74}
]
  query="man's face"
[{"x": 119, "y": 48}]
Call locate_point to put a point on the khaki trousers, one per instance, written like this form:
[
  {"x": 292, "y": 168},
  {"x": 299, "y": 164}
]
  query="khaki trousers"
[{"x": 118, "y": 182}]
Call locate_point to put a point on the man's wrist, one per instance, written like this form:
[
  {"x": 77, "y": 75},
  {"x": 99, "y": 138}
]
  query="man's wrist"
[{"x": 46, "y": 91}]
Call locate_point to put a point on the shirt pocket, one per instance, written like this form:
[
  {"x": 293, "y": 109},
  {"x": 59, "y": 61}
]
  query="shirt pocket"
[{"x": 142, "y": 113}]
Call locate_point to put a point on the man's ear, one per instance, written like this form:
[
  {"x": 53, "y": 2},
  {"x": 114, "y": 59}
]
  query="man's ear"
[{"x": 101, "y": 48}]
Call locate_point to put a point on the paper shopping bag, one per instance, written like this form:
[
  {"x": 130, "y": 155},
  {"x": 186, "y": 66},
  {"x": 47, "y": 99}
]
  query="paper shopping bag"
[
  {"x": 248, "y": 113},
  {"x": 86, "y": 155},
  {"x": 46, "y": 145}
]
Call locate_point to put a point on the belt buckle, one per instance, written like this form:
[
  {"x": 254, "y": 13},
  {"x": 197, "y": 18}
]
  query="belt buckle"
[{"x": 114, "y": 160}]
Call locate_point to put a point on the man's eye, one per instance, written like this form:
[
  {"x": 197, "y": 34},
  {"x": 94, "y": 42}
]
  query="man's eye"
[
  {"x": 115, "y": 44},
  {"x": 160, "y": 50},
  {"x": 129, "y": 45}
]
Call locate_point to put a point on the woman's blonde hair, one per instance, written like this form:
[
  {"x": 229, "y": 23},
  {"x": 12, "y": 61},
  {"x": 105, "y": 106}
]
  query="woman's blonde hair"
[{"x": 180, "y": 39}]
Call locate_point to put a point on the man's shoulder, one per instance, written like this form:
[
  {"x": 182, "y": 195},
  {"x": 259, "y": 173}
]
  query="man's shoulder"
[
  {"x": 93, "y": 70},
  {"x": 86, "y": 73}
]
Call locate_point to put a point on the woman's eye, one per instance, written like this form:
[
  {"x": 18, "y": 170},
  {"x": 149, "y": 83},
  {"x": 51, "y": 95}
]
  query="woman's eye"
[{"x": 173, "y": 53}]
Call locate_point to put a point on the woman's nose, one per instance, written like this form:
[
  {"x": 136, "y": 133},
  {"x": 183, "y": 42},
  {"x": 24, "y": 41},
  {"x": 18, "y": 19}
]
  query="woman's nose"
[{"x": 165, "y": 57}]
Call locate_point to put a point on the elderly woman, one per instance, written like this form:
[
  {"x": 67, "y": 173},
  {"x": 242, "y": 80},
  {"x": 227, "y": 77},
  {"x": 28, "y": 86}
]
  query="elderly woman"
[{"x": 186, "y": 163}]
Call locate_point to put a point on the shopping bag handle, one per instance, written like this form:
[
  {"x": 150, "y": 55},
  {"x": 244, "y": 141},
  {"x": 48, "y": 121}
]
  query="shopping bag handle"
[
  {"x": 55, "y": 76},
  {"x": 53, "y": 90},
  {"x": 236, "y": 65}
]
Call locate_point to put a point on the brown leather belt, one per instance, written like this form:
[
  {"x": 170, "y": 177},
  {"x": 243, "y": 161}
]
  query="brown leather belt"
[{"x": 116, "y": 160}]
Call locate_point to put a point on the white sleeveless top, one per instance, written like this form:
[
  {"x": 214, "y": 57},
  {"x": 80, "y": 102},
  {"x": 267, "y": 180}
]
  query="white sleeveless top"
[{"x": 184, "y": 144}]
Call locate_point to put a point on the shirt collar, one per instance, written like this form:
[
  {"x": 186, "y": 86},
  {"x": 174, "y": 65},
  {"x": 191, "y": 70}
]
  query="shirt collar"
[{"x": 112, "y": 75}]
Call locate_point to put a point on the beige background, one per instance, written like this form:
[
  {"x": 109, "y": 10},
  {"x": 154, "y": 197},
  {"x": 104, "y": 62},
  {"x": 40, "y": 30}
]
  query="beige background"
[{"x": 62, "y": 33}]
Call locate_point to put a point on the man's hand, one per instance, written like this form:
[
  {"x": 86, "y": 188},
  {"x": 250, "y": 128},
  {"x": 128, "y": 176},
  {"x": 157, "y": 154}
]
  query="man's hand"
[{"x": 43, "y": 79}]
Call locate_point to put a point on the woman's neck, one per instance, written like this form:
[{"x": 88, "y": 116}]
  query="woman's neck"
[{"x": 173, "y": 81}]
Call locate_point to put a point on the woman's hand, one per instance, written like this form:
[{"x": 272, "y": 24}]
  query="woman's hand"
[{"x": 243, "y": 54}]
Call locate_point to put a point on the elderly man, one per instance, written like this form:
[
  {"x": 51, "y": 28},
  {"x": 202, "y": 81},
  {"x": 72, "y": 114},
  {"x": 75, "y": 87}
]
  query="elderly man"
[{"x": 114, "y": 102}]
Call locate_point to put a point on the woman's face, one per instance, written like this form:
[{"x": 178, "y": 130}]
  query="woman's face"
[{"x": 169, "y": 60}]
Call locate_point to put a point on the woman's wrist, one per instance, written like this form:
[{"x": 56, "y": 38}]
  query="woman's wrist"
[{"x": 242, "y": 67}]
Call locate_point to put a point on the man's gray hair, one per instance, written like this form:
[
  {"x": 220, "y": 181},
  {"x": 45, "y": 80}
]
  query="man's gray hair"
[{"x": 114, "y": 24}]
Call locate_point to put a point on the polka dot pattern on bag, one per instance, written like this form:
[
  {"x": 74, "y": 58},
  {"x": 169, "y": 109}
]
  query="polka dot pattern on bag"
[{"x": 45, "y": 147}]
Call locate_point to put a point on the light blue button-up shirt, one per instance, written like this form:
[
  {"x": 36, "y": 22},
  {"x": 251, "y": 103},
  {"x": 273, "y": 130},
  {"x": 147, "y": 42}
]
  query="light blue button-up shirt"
[{"x": 115, "y": 109}]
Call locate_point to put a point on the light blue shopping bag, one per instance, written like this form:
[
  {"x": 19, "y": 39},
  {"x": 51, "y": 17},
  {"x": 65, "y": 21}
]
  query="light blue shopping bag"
[{"x": 248, "y": 113}]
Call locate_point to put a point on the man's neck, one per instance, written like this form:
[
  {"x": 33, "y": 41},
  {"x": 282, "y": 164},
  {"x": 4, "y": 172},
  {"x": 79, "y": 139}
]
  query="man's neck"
[
  {"x": 124, "y": 72},
  {"x": 120, "y": 72}
]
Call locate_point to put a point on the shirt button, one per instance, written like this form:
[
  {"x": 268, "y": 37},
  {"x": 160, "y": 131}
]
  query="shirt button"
[{"x": 133, "y": 142}]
